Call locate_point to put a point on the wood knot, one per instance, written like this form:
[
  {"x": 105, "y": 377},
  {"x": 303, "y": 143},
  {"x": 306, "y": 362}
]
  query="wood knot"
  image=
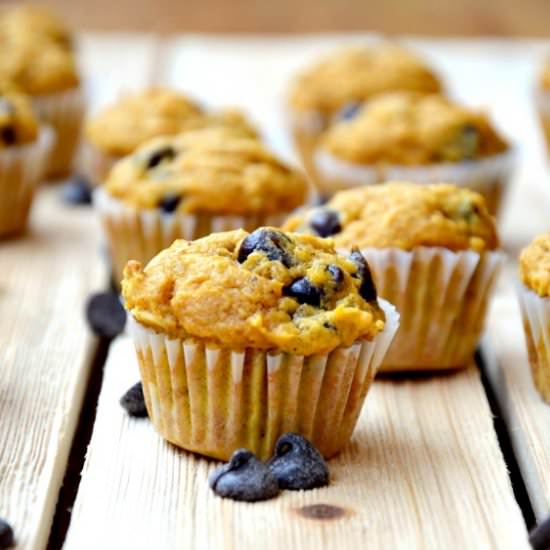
[{"x": 322, "y": 512}]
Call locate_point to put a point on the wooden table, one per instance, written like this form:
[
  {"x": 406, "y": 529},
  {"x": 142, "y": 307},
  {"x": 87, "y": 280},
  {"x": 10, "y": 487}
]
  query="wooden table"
[{"x": 426, "y": 467}]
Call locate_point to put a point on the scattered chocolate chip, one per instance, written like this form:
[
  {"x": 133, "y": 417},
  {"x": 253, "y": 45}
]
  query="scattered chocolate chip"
[
  {"x": 160, "y": 155},
  {"x": 6, "y": 534},
  {"x": 325, "y": 222},
  {"x": 245, "y": 478},
  {"x": 336, "y": 273},
  {"x": 77, "y": 191},
  {"x": 8, "y": 135},
  {"x": 272, "y": 243},
  {"x": 169, "y": 203},
  {"x": 367, "y": 290},
  {"x": 321, "y": 511},
  {"x": 540, "y": 536},
  {"x": 349, "y": 110},
  {"x": 304, "y": 292},
  {"x": 297, "y": 464},
  {"x": 133, "y": 401},
  {"x": 105, "y": 314}
]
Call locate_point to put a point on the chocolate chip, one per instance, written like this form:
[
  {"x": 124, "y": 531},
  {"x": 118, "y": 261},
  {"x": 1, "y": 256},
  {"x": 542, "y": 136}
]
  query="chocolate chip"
[
  {"x": 8, "y": 135},
  {"x": 367, "y": 290},
  {"x": 336, "y": 273},
  {"x": 469, "y": 140},
  {"x": 160, "y": 155},
  {"x": 77, "y": 191},
  {"x": 297, "y": 464},
  {"x": 349, "y": 110},
  {"x": 133, "y": 401},
  {"x": 6, "y": 534},
  {"x": 540, "y": 536},
  {"x": 105, "y": 314},
  {"x": 304, "y": 292},
  {"x": 245, "y": 478},
  {"x": 325, "y": 222},
  {"x": 272, "y": 243},
  {"x": 169, "y": 203}
]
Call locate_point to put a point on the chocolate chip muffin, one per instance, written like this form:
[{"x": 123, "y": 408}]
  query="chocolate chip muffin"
[
  {"x": 433, "y": 251},
  {"x": 333, "y": 87},
  {"x": 191, "y": 185},
  {"x": 428, "y": 137},
  {"x": 259, "y": 333},
  {"x": 534, "y": 298}
]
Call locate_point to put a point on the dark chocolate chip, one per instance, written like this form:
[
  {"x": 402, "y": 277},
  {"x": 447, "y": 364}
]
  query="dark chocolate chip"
[
  {"x": 245, "y": 478},
  {"x": 367, "y": 290},
  {"x": 304, "y": 292},
  {"x": 160, "y": 155},
  {"x": 169, "y": 203},
  {"x": 297, "y": 464},
  {"x": 350, "y": 110},
  {"x": 8, "y": 135},
  {"x": 77, "y": 191},
  {"x": 105, "y": 314},
  {"x": 6, "y": 534},
  {"x": 325, "y": 222},
  {"x": 272, "y": 243},
  {"x": 540, "y": 536},
  {"x": 133, "y": 401},
  {"x": 336, "y": 273}
]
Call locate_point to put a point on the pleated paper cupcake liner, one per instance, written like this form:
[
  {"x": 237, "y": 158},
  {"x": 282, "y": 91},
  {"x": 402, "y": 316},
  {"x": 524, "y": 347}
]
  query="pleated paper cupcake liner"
[
  {"x": 134, "y": 234},
  {"x": 535, "y": 312},
  {"x": 21, "y": 169},
  {"x": 94, "y": 164},
  {"x": 64, "y": 112},
  {"x": 442, "y": 299},
  {"x": 214, "y": 400},
  {"x": 489, "y": 176}
]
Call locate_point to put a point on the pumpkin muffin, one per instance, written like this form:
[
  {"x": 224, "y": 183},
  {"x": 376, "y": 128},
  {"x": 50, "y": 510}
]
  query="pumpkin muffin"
[
  {"x": 333, "y": 87},
  {"x": 119, "y": 129},
  {"x": 242, "y": 337},
  {"x": 534, "y": 297},
  {"x": 433, "y": 253},
  {"x": 190, "y": 185},
  {"x": 36, "y": 59},
  {"x": 24, "y": 149},
  {"x": 424, "y": 138}
]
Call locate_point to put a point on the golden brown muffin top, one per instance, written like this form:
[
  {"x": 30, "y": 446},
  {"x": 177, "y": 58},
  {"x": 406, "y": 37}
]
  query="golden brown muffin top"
[
  {"x": 265, "y": 290},
  {"x": 412, "y": 129},
  {"x": 402, "y": 215},
  {"x": 357, "y": 74},
  {"x": 534, "y": 265},
  {"x": 212, "y": 170},
  {"x": 18, "y": 124},
  {"x": 121, "y": 128}
]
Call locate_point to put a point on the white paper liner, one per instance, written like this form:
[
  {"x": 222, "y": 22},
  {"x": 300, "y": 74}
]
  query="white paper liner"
[
  {"x": 442, "y": 298},
  {"x": 135, "y": 234},
  {"x": 214, "y": 400},
  {"x": 21, "y": 170},
  {"x": 535, "y": 311},
  {"x": 94, "y": 164},
  {"x": 64, "y": 112},
  {"x": 489, "y": 176}
]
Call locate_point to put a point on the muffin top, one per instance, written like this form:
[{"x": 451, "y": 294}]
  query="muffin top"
[
  {"x": 357, "y": 74},
  {"x": 412, "y": 129},
  {"x": 135, "y": 119},
  {"x": 534, "y": 265},
  {"x": 18, "y": 124},
  {"x": 266, "y": 290},
  {"x": 402, "y": 215},
  {"x": 211, "y": 170}
]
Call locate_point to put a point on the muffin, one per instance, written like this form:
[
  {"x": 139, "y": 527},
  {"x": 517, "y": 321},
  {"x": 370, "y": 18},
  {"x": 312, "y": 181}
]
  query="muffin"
[
  {"x": 534, "y": 298},
  {"x": 36, "y": 59},
  {"x": 119, "y": 129},
  {"x": 190, "y": 185},
  {"x": 542, "y": 97},
  {"x": 242, "y": 337},
  {"x": 433, "y": 253},
  {"x": 24, "y": 149},
  {"x": 414, "y": 137},
  {"x": 334, "y": 86}
]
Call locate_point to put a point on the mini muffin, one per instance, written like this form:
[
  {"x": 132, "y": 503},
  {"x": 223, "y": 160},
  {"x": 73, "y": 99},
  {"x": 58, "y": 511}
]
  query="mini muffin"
[
  {"x": 414, "y": 137},
  {"x": 24, "y": 150},
  {"x": 333, "y": 87},
  {"x": 119, "y": 129},
  {"x": 190, "y": 185},
  {"x": 433, "y": 253},
  {"x": 36, "y": 59},
  {"x": 242, "y": 337},
  {"x": 542, "y": 97},
  {"x": 534, "y": 297}
]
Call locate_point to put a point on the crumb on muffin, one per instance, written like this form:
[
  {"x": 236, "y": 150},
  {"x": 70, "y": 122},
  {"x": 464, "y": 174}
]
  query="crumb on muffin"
[{"x": 534, "y": 265}]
